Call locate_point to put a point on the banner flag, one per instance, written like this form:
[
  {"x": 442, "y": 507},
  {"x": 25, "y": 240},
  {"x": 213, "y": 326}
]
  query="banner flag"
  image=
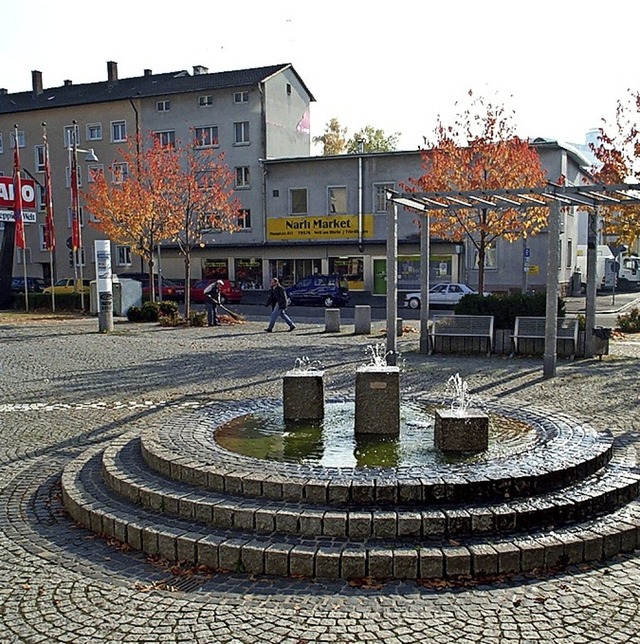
[
  {"x": 17, "y": 195},
  {"x": 75, "y": 215},
  {"x": 49, "y": 229}
]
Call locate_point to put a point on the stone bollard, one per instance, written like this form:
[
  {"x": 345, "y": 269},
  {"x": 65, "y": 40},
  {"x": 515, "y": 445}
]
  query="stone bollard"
[
  {"x": 332, "y": 320},
  {"x": 362, "y": 319},
  {"x": 461, "y": 432},
  {"x": 399, "y": 322},
  {"x": 303, "y": 395},
  {"x": 378, "y": 400}
]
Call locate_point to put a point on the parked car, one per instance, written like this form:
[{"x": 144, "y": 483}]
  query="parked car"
[
  {"x": 34, "y": 284},
  {"x": 68, "y": 285},
  {"x": 444, "y": 294},
  {"x": 320, "y": 290},
  {"x": 229, "y": 292},
  {"x": 170, "y": 290}
]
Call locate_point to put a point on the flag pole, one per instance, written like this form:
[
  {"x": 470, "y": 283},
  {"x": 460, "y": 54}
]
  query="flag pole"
[
  {"x": 17, "y": 214},
  {"x": 49, "y": 234},
  {"x": 75, "y": 214}
]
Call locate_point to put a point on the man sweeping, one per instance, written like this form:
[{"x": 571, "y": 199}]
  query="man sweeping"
[{"x": 212, "y": 299}]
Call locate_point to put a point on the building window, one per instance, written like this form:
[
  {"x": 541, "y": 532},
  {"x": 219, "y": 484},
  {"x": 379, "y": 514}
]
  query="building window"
[
  {"x": 23, "y": 255},
  {"x": 490, "y": 259},
  {"x": 241, "y": 97},
  {"x": 205, "y": 101},
  {"x": 241, "y": 133},
  {"x": 80, "y": 216},
  {"x": 94, "y": 171},
  {"x": 123, "y": 256},
  {"x": 20, "y": 139},
  {"x": 39, "y": 154},
  {"x": 78, "y": 173},
  {"x": 94, "y": 131},
  {"x": 163, "y": 106},
  {"x": 119, "y": 172},
  {"x": 298, "y": 201},
  {"x": 166, "y": 139},
  {"x": 69, "y": 132},
  {"x": 206, "y": 137},
  {"x": 40, "y": 197},
  {"x": 337, "y": 202},
  {"x": 242, "y": 177},
  {"x": 244, "y": 218},
  {"x": 288, "y": 89},
  {"x": 569, "y": 253},
  {"x": 118, "y": 131},
  {"x": 41, "y": 237},
  {"x": 380, "y": 196}
]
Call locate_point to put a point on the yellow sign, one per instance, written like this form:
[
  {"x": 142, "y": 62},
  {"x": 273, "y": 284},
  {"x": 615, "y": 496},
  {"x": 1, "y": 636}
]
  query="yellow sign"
[
  {"x": 326, "y": 227},
  {"x": 534, "y": 269}
]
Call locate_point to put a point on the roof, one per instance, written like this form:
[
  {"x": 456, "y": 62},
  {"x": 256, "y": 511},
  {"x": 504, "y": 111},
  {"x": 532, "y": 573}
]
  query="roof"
[{"x": 148, "y": 85}]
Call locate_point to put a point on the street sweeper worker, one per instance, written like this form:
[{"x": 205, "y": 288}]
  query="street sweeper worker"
[{"x": 212, "y": 299}]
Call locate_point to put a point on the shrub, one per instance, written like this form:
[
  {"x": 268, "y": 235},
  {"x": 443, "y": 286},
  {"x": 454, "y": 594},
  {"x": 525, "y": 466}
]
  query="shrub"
[
  {"x": 506, "y": 308},
  {"x": 630, "y": 322},
  {"x": 197, "y": 318},
  {"x": 148, "y": 312}
]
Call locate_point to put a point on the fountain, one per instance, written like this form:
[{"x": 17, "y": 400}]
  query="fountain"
[
  {"x": 461, "y": 428},
  {"x": 254, "y": 487}
]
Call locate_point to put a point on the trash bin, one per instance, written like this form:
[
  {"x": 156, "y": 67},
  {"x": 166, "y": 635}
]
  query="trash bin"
[{"x": 601, "y": 337}]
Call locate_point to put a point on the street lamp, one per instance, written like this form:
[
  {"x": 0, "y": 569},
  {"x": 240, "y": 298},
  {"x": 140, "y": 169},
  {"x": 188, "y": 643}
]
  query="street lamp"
[{"x": 76, "y": 226}]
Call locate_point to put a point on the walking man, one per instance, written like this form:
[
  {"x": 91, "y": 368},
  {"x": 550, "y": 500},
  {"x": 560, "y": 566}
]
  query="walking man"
[
  {"x": 278, "y": 301},
  {"x": 212, "y": 298}
]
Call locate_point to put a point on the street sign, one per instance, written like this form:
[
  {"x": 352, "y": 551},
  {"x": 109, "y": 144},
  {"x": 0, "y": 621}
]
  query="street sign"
[{"x": 527, "y": 252}]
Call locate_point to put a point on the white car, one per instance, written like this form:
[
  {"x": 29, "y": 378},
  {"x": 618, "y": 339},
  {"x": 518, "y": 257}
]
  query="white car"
[{"x": 445, "y": 294}]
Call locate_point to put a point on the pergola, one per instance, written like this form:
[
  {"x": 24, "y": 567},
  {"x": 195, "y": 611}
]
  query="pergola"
[{"x": 553, "y": 196}]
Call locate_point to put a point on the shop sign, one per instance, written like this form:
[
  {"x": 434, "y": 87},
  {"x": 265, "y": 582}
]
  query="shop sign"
[{"x": 328, "y": 227}]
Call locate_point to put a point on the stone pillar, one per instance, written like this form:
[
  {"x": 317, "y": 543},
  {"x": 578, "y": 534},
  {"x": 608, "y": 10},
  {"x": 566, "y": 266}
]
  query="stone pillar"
[
  {"x": 362, "y": 319},
  {"x": 378, "y": 400},
  {"x": 303, "y": 395},
  {"x": 332, "y": 320},
  {"x": 461, "y": 432}
]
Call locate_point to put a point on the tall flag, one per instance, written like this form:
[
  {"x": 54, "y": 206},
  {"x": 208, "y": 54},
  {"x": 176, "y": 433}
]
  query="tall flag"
[
  {"x": 17, "y": 194},
  {"x": 49, "y": 231},
  {"x": 75, "y": 215}
]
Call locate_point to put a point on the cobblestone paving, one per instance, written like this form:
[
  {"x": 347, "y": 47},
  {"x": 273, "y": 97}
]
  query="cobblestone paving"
[{"x": 65, "y": 387}]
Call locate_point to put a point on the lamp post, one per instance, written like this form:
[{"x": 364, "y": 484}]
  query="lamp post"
[{"x": 76, "y": 224}]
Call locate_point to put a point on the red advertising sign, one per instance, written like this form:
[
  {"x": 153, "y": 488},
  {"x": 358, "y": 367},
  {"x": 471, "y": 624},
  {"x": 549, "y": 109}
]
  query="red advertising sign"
[{"x": 28, "y": 194}]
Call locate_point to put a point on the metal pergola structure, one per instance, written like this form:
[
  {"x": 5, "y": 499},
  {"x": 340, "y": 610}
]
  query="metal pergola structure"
[{"x": 553, "y": 196}]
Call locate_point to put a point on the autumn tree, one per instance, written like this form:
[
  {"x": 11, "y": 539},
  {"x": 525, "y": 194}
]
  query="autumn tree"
[
  {"x": 334, "y": 138},
  {"x": 373, "y": 140},
  {"x": 201, "y": 199},
  {"x": 618, "y": 155},
  {"x": 480, "y": 151},
  {"x": 131, "y": 205}
]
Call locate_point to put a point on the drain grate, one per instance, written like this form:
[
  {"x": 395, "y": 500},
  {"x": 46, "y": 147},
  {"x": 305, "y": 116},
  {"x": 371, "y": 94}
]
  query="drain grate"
[{"x": 184, "y": 584}]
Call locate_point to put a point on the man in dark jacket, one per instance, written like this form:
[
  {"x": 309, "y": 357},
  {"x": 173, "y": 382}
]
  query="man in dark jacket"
[{"x": 278, "y": 302}]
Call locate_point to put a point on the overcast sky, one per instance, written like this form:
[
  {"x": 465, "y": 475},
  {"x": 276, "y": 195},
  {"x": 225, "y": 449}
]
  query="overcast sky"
[{"x": 561, "y": 65}]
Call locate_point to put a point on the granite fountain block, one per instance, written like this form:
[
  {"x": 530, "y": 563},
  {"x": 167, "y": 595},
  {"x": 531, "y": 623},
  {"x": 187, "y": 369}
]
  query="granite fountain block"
[
  {"x": 303, "y": 395},
  {"x": 456, "y": 431},
  {"x": 377, "y": 400}
]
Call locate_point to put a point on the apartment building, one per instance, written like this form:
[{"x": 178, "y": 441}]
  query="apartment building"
[
  {"x": 301, "y": 214},
  {"x": 249, "y": 115}
]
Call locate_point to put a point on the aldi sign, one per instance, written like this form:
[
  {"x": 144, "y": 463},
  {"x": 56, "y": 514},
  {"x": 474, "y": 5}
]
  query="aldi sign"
[{"x": 7, "y": 197}]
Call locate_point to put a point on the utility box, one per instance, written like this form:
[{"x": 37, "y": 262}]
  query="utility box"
[{"x": 126, "y": 293}]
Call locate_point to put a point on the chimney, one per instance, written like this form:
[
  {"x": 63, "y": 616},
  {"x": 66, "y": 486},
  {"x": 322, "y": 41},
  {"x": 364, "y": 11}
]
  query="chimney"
[
  {"x": 3, "y": 91},
  {"x": 112, "y": 71},
  {"x": 36, "y": 82},
  {"x": 67, "y": 83},
  {"x": 200, "y": 69},
  {"x": 148, "y": 72}
]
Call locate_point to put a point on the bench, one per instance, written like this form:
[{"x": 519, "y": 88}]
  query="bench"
[
  {"x": 533, "y": 328},
  {"x": 461, "y": 326}
]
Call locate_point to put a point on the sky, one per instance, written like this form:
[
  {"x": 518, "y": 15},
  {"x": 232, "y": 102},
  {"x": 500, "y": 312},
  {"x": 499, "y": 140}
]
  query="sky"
[{"x": 560, "y": 65}]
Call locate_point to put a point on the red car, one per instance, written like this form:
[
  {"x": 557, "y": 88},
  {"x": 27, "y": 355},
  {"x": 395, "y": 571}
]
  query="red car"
[
  {"x": 228, "y": 293},
  {"x": 170, "y": 290}
]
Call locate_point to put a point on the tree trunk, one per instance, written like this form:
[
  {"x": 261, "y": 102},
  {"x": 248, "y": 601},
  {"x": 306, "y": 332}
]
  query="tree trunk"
[{"x": 187, "y": 283}]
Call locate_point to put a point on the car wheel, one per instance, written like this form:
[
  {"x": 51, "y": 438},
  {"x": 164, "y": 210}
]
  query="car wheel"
[
  {"x": 328, "y": 301},
  {"x": 414, "y": 303}
]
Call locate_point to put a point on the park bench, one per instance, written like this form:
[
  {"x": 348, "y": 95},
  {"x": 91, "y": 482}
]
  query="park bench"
[
  {"x": 461, "y": 326},
  {"x": 533, "y": 328}
]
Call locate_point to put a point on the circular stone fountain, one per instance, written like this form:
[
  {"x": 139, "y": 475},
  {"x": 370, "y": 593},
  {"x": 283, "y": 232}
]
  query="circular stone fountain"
[{"x": 552, "y": 493}]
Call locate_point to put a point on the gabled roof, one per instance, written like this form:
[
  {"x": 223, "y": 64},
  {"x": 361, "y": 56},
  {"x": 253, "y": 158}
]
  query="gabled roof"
[{"x": 148, "y": 85}]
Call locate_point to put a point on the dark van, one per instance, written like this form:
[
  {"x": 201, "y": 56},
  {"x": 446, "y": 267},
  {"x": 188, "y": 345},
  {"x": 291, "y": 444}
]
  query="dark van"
[{"x": 320, "y": 290}]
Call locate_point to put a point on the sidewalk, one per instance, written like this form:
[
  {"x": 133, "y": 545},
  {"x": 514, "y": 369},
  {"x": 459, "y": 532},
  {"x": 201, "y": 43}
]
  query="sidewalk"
[{"x": 606, "y": 302}]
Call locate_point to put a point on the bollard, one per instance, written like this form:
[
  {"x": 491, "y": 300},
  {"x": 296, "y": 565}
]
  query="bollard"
[
  {"x": 362, "y": 319},
  {"x": 332, "y": 320}
]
